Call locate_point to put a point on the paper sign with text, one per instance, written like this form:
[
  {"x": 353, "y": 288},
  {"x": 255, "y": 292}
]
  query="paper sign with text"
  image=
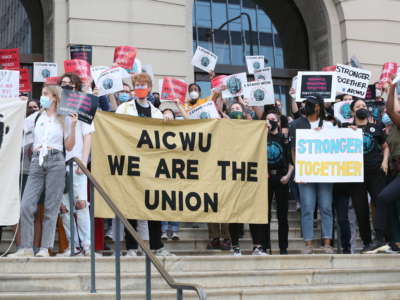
[
  {"x": 204, "y": 59},
  {"x": 389, "y": 69},
  {"x": 110, "y": 82},
  {"x": 259, "y": 93},
  {"x": 263, "y": 74},
  {"x": 329, "y": 155},
  {"x": 321, "y": 84},
  {"x": 204, "y": 111},
  {"x": 173, "y": 88},
  {"x": 42, "y": 70},
  {"x": 9, "y": 58},
  {"x": 181, "y": 170},
  {"x": 79, "y": 67},
  {"x": 24, "y": 81},
  {"x": 96, "y": 71},
  {"x": 234, "y": 85},
  {"x": 124, "y": 56},
  {"x": 9, "y": 84},
  {"x": 352, "y": 81},
  {"x": 342, "y": 111},
  {"x": 254, "y": 63},
  {"x": 85, "y": 105},
  {"x": 83, "y": 52}
]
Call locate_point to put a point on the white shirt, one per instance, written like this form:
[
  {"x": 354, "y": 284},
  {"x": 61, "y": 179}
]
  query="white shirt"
[
  {"x": 129, "y": 108},
  {"x": 325, "y": 124},
  {"x": 81, "y": 130}
]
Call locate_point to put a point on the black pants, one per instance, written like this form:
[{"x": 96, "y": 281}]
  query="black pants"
[
  {"x": 281, "y": 192},
  {"x": 374, "y": 182},
  {"x": 341, "y": 206},
  {"x": 258, "y": 234},
  {"x": 154, "y": 236}
]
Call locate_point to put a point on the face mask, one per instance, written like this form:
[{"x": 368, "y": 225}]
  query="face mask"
[
  {"x": 274, "y": 124},
  {"x": 362, "y": 114},
  {"x": 141, "y": 93},
  {"x": 194, "y": 95},
  {"x": 236, "y": 115},
  {"x": 309, "y": 109},
  {"x": 45, "y": 102},
  {"x": 124, "y": 97},
  {"x": 67, "y": 87},
  {"x": 386, "y": 119}
]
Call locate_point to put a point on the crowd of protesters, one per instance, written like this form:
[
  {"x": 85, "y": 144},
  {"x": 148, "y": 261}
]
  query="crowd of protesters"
[{"x": 56, "y": 139}]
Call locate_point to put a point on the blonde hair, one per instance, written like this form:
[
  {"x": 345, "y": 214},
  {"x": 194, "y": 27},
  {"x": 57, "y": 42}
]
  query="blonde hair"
[
  {"x": 55, "y": 91},
  {"x": 142, "y": 78}
]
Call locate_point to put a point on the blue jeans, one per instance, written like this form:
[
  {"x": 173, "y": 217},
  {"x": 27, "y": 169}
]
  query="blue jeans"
[
  {"x": 309, "y": 194},
  {"x": 165, "y": 226}
]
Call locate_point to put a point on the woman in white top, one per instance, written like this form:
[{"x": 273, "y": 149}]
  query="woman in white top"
[{"x": 52, "y": 135}]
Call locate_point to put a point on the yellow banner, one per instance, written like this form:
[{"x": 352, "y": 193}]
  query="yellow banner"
[{"x": 211, "y": 171}]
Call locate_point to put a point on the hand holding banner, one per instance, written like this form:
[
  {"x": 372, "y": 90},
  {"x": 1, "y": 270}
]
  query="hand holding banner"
[
  {"x": 173, "y": 88},
  {"x": 259, "y": 93},
  {"x": 204, "y": 59},
  {"x": 79, "y": 67},
  {"x": 85, "y": 105},
  {"x": 321, "y": 84},
  {"x": 254, "y": 63},
  {"x": 9, "y": 58},
  {"x": 42, "y": 70},
  {"x": 124, "y": 56}
]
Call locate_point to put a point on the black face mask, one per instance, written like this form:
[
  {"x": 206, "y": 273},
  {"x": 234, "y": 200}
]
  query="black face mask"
[
  {"x": 274, "y": 125},
  {"x": 362, "y": 114},
  {"x": 67, "y": 87},
  {"x": 309, "y": 109}
]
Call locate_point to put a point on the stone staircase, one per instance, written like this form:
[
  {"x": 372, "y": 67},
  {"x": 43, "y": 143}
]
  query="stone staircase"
[{"x": 223, "y": 276}]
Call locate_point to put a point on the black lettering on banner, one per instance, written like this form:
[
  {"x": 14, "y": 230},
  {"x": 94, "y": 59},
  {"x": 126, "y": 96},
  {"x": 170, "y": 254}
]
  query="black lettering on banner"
[
  {"x": 133, "y": 163},
  {"x": 180, "y": 196},
  {"x": 189, "y": 204},
  {"x": 115, "y": 164},
  {"x": 147, "y": 200},
  {"x": 157, "y": 137},
  {"x": 236, "y": 170},
  {"x": 178, "y": 166},
  {"x": 192, "y": 169},
  {"x": 213, "y": 203},
  {"x": 145, "y": 140},
  {"x": 203, "y": 148},
  {"x": 187, "y": 140},
  {"x": 162, "y": 169},
  {"x": 167, "y": 199},
  {"x": 252, "y": 170},
  {"x": 223, "y": 164},
  {"x": 165, "y": 140}
]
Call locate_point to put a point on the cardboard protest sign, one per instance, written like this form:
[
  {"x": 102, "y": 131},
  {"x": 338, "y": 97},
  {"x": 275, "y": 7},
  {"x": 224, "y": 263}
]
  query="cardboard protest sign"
[
  {"x": 85, "y": 105},
  {"x": 234, "y": 85},
  {"x": 9, "y": 84},
  {"x": 110, "y": 82},
  {"x": 259, "y": 93},
  {"x": 254, "y": 63},
  {"x": 173, "y": 88},
  {"x": 389, "y": 69},
  {"x": 83, "y": 52},
  {"x": 96, "y": 71},
  {"x": 204, "y": 59},
  {"x": 183, "y": 170},
  {"x": 24, "y": 81},
  {"x": 371, "y": 92},
  {"x": 124, "y": 56},
  {"x": 263, "y": 74},
  {"x": 79, "y": 67},
  {"x": 321, "y": 84},
  {"x": 352, "y": 81},
  {"x": 42, "y": 70},
  {"x": 204, "y": 111},
  {"x": 217, "y": 81},
  {"x": 9, "y": 58},
  {"x": 52, "y": 80},
  {"x": 342, "y": 111},
  {"x": 329, "y": 155}
]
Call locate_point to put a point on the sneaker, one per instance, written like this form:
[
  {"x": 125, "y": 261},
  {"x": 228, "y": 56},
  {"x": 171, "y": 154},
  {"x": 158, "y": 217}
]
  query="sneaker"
[
  {"x": 283, "y": 252},
  {"x": 131, "y": 253},
  {"x": 394, "y": 248},
  {"x": 86, "y": 252},
  {"x": 375, "y": 247},
  {"x": 175, "y": 236},
  {"x": 308, "y": 250},
  {"x": 328, "y": 249},
  {"x": 259, "y": 251},
  {"x": 67, "y": 253},
  {"x": 226, "y": 245},
  {"x": 164, "y": 236},
  {"x": 237, "y": 252},
  {"x": 22, "y": 252},
  {"x": 163, "y": 252},
  {"x": 214, "y": 244},
  {"x": 43, "y": 252}
]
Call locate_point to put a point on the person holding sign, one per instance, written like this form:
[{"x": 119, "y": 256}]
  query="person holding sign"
[
  {"x": 312, "y": 192},
  {"x": 376, "y": 157},
  {"x": 51, "y": 135}
]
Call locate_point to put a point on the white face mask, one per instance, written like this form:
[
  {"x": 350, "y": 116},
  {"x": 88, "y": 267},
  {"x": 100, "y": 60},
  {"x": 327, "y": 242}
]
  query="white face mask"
[{"x": 194, "y": 95}]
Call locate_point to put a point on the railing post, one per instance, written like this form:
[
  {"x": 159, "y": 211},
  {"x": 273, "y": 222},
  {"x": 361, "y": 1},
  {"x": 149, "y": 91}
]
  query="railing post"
[
  {"x": 92, "y": 243},
  {"x": 148, "y": 278},
  {"x": 179, "y": 294},
  {"x": 70, "y": 187},
  {"x": 117, "y": 259}
]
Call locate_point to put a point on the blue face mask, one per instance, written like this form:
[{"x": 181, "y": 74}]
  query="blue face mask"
[
  {"x": 386, "y": 119},
  {"x": 45, "y": 102},
  {"x": 124, "y": 97}
]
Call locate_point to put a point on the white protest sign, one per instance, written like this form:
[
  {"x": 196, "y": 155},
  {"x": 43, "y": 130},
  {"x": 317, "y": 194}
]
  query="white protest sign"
[
  {"x": 342, "y": 111},
  {"x": 352, "y": 81},
  {"x": 204, "y": 111},
  {"x": 110, "y": 82},
  {"x": 263, "y": 74},
  {"x": 322, "y": 84},
  {"x": 168, "y": 104},
  {"x": 204, "y": 59},
  {"x": 234, "y": 85},
  {"x": 329, "y": 155},
  {"x": 254, "y": 63},
  {"x": 259, "y": 93},
  {"x": 9, "y": 84},
  {"x": 42, "y": 70},
  {"x": 96, "y": 71}
]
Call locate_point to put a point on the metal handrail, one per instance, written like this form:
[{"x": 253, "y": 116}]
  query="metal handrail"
[{"x": 149, "y": 254}]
